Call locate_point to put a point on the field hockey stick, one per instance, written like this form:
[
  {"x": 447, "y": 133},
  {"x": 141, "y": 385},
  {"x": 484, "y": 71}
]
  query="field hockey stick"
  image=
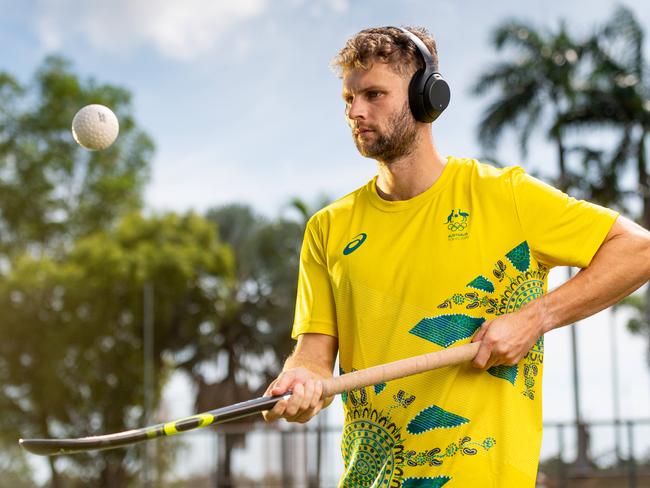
[{"x": 331, "y": 386}]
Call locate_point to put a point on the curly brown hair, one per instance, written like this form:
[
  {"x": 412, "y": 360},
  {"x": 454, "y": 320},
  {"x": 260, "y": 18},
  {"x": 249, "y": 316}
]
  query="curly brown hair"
[{"x": 387, "y": 45}]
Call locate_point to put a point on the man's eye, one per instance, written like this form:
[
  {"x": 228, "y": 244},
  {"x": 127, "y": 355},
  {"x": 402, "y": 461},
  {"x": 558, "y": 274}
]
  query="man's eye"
[{"x": 372, "y": 94}]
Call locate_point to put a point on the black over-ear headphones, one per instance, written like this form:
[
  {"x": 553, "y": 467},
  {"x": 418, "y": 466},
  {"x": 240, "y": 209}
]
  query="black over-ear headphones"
[{"x": 429, "y": 93}]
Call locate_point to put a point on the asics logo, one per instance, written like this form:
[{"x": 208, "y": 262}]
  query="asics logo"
[{"x": 354, "y": 244}]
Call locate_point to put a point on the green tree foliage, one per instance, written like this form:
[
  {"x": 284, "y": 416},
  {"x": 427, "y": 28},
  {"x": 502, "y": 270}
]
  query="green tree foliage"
[
  {"x": 53, "y": 190},
  {"x": 255, "y": 335},
  {"x": 256, "y": 328},
  {"x": 75, "y": 256},
  {"x": 616, "y": 97},
  {"x": 567, "y": 85},
  {"x": 71, "y": 355},
  {"x": 531, "y": 89},
  {"x": 16, "y": 472},
  {"x": 598, "y": 82}
]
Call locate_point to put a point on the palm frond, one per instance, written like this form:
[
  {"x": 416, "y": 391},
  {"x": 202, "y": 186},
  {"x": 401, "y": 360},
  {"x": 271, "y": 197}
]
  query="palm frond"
[
  {"x": 507, "y": 111},
  {"x": 594, "y": 108},
  {"x": 623, "y": 27},
  {"x": 504, "y": 74},
  {"x": 520, "y": 35},
  {"x": 599, "y": 180},
  {"x": 533, "y": 117}
]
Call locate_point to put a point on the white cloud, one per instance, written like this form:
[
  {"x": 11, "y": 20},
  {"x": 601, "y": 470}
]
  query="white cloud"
[
  {"x": 335, "y": 5},
  {"x": 49, "y": 33},
  {"x": 178, "y": 30},
  {"x": 318, "y": 8},
  {"x": 338, "y": 5}
]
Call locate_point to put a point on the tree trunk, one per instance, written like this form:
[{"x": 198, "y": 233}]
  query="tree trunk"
[
  {"x": 644, "y": 180},
  {"x": 644, "y": 189},
  {"x": 55, "y": 480},
  {"x": 113, "y": 475},
  {"x": 563, "y": 181},
  {"x": 582, "y": 461},
  {"x": 224, "y": 462}
]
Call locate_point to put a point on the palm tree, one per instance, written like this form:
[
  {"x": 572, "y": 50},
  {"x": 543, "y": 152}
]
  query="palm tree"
[
  {"x": 304, "y": 211},
  {"x": 602, "y": 83},
  {"x": 533, "y": 89},
  {"x": 617, "y": 95},
  {"x": 256, "y": 323},
  {"x": 536, "y": 88}
]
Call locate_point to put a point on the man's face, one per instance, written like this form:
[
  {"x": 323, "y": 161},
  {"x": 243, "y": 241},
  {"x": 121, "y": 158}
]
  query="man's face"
[{"x": 377, "y": 111}]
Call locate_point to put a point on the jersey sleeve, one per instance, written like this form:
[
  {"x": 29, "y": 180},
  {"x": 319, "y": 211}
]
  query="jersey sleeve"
[
  {"x": 315, "y": 308},
  {"x": 560, "y": 230}
]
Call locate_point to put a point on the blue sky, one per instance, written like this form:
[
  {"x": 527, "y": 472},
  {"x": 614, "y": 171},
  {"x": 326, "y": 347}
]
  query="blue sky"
[
  {"x": 240, "y": 101},
  {"x": 239, "y": 97}
]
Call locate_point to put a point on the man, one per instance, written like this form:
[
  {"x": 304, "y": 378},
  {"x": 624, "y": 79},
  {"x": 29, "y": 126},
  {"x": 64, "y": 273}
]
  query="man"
[{"x": 431, "y": 253}]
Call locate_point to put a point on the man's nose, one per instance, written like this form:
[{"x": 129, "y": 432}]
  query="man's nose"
[{"x": 356, "y": 109}]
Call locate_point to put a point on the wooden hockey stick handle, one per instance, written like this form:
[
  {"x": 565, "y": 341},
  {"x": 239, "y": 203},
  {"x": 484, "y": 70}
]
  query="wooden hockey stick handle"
[{"x": 400, "y": 369}]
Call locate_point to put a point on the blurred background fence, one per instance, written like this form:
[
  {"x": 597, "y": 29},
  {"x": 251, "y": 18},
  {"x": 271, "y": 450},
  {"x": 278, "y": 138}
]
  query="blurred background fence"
[{"x": 307, "y": 456}]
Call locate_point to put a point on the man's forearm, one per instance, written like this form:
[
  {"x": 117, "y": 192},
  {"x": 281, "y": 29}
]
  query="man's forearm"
[
  {"x": 621, "y": 265},
  {"x": 315, "y": 353}
]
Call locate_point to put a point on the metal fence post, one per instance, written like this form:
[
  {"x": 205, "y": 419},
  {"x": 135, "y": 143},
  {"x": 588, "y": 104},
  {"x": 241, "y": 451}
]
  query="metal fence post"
[
  {"x": 561, "y": 464},
  {"x": 319, "y": 450},
  {"x": 632, "y": 475},
  {"x": 286, "y": 454}
]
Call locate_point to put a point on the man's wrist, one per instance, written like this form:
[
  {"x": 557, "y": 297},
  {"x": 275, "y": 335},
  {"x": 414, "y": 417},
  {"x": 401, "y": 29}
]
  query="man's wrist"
[
  {"x": 538, "y": 314},
  {"x": 315, "y": 370}
]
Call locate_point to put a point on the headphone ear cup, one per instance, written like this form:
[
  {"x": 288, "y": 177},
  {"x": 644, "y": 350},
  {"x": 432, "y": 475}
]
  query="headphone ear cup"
[
  {"x": 436, "y": 95},
  {"x": 428, "y": 95}
]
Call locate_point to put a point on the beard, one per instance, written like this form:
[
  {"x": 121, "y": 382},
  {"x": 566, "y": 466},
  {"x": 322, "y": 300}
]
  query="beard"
[{"x": 396, "y": 142}]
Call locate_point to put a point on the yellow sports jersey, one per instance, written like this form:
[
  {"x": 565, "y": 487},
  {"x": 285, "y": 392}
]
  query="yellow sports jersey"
[{"x": 394, "y": 279}]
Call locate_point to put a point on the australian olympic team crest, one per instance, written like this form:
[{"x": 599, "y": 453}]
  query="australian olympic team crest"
[{"x": 457, "y": 224}]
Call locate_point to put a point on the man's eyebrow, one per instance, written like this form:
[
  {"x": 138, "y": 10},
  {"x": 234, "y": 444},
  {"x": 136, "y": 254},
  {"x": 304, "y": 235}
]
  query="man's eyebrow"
[{"x": 347, "y": 93}]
